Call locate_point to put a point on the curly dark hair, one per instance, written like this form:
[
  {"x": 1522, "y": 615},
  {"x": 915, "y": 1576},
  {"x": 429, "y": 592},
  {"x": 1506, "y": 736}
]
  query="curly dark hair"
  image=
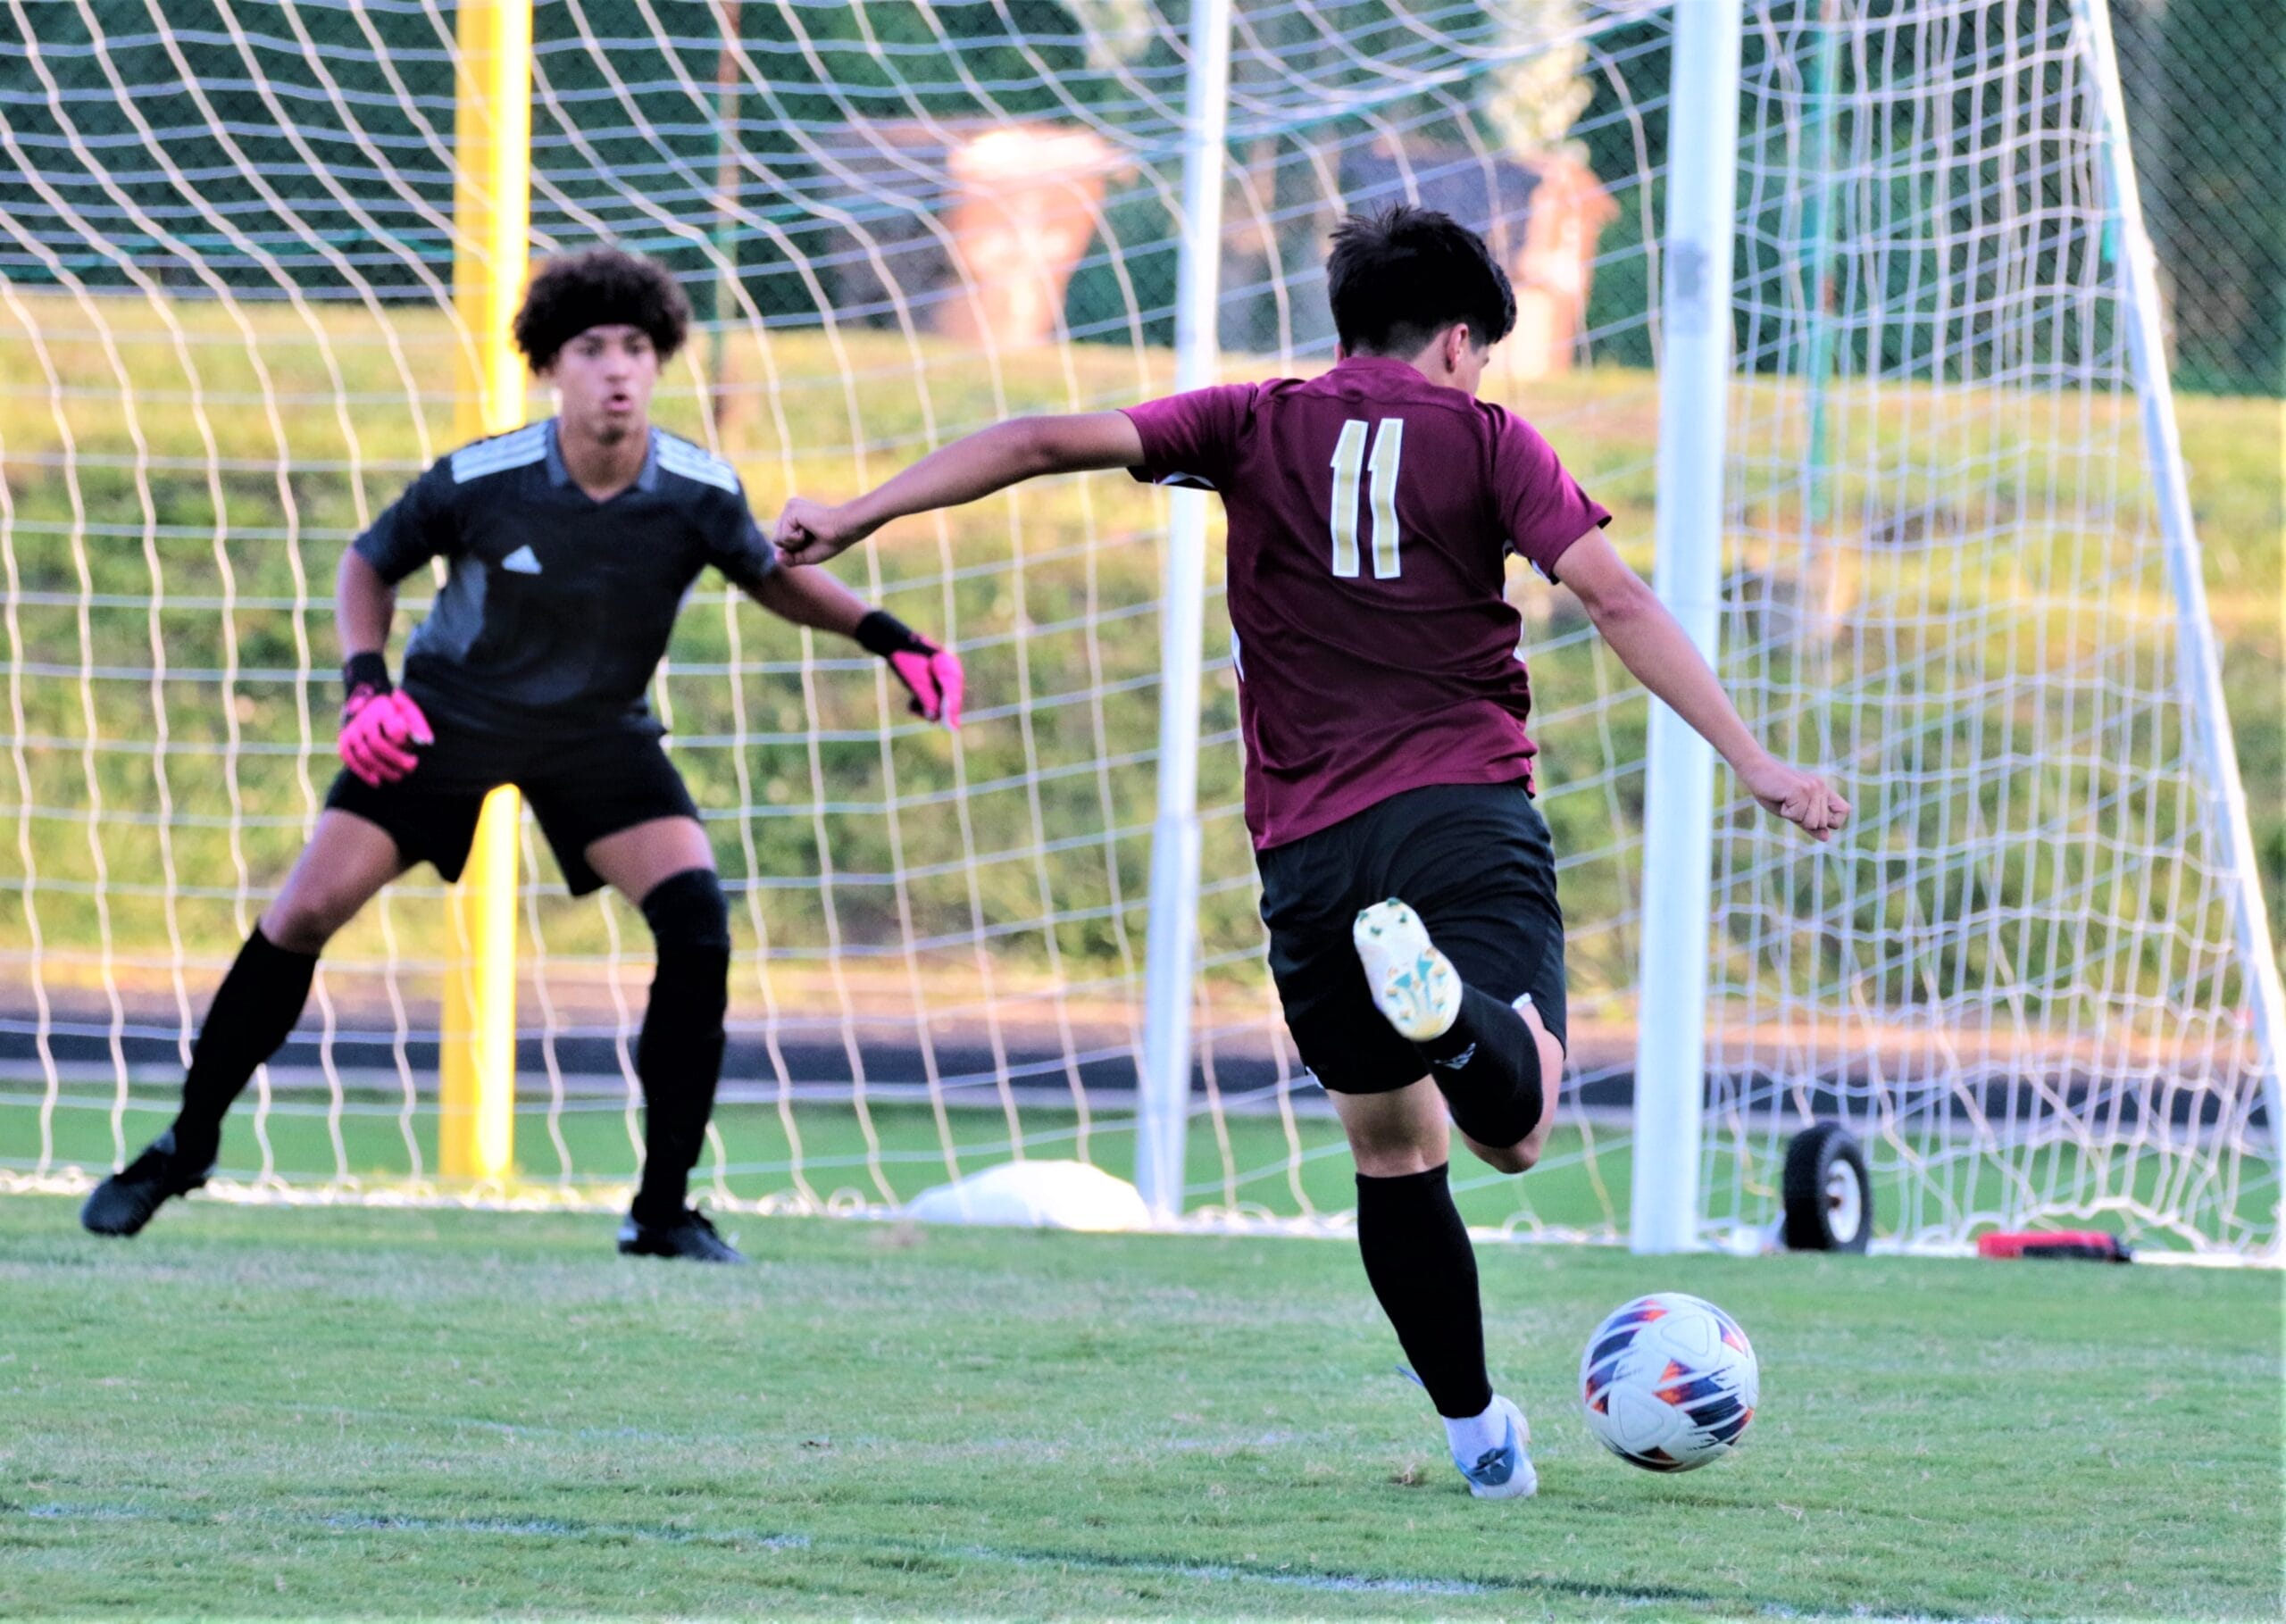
[
  {"x": 599, "y": 287},
  {"x": 1401, "y": 275}
]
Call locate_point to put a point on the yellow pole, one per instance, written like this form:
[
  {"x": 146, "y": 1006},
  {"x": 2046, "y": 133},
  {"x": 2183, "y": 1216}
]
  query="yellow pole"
[{"x": 492, "y": 207}]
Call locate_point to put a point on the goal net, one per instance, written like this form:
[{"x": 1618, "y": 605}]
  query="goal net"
[{"x": 2026, "y": 976}]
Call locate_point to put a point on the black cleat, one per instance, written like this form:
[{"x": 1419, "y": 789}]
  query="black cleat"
[
  {"x": 687, "y": 1234},
  {"x": 123, "y": 1202}
]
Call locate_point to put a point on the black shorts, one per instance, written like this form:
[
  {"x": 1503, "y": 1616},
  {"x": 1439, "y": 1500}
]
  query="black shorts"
[
  {"x": 1475, "y": 862},
  {"x": 581, "y": 789}
]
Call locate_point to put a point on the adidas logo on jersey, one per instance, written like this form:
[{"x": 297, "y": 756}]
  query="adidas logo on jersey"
[{"x": 521, "y": 562}]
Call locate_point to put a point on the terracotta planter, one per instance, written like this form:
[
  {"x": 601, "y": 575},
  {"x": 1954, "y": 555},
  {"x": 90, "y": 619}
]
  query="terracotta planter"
[
  {"x": 1024, "y": 206},
  {"x": 1543, "y": 217}
]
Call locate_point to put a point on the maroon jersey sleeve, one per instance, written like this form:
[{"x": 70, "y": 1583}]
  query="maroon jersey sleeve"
[
  {"x": 1539, "y": 506},
  {"x": 1192, "y": 438}
]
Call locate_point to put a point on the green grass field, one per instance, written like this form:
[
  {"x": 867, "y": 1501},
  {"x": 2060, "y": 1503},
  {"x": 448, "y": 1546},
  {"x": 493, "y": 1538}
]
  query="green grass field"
[{"x": 355, "y": 1412}]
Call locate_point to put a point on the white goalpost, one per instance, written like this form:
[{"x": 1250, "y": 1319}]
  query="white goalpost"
[
  {"x": 1845, "y": 307},
  {"x": 1163, "y": 1086},
  {"x": 2226, "y": 821},
  {"x": 1679, "y": 771},
  {"x": 2003, "y": 993}
]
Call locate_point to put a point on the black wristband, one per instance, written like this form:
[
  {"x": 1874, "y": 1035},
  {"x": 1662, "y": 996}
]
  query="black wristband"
[
  {"x": 368, "y": 672},
  {"x": 882, "y": 633}
]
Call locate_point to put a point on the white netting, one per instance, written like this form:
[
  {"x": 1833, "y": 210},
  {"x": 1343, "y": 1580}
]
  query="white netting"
[
  {"x": 226, "y": 248},
  {"x": 2022, "y": 981}
]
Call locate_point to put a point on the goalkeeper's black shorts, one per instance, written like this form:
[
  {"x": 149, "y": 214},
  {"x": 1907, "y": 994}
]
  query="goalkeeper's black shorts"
[{"x": 580, "y": 789}]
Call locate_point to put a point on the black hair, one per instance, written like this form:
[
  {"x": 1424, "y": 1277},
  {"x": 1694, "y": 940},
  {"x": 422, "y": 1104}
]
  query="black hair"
[
  {"x": 1401, "y": 275},
  {"x": 599, "y": 287}
]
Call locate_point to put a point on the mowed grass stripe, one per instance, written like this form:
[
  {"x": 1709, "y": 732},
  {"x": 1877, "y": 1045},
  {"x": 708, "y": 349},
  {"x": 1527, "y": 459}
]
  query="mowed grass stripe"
[{"x": 334, "y": 1413}]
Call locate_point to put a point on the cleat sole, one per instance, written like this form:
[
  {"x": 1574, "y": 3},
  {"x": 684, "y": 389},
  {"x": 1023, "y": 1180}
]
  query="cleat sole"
[{"x": 1413, "y": 985}]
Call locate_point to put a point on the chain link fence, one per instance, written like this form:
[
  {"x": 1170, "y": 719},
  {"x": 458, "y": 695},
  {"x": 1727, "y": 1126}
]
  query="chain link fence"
[{"x": 2205, "y": 83}]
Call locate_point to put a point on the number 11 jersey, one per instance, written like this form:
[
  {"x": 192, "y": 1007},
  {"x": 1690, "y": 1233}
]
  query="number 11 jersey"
[{"x": 1370, "y": 511}]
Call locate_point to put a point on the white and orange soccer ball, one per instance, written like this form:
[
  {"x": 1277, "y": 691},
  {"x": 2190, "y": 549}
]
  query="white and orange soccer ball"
[{"x": 1669, "y": 1382}]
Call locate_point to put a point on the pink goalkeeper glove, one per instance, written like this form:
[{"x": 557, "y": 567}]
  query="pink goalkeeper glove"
[
  {"x": 935, "y": 681},
  {"x": 931, "y": 674},
  {"x": 380, "y": 726}
]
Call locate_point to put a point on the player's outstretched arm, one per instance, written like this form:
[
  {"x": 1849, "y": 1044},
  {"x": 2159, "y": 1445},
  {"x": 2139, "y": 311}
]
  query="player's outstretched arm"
[
  {"x": 931, "y": 675},
  {"x": 989, "y": 460},
  {"x": 1651, "y": 645}
]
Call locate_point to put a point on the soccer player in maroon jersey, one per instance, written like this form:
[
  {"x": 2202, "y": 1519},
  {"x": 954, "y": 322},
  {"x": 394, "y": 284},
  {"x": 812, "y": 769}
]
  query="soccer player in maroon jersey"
[{"x": 1407, "y": 880}]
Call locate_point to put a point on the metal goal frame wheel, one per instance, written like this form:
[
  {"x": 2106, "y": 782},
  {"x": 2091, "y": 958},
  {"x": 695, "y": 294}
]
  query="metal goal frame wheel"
[{"x": 1829, "y": 1196}]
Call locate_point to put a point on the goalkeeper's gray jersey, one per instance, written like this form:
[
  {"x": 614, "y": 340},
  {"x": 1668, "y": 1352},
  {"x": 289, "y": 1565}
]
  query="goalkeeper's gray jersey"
[{"x": 557, "y": 608}]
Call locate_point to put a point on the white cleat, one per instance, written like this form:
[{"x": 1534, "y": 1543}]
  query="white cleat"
[
  {"x": 1505, "y": 1473},
  {"x": 1413, "y": 984}
]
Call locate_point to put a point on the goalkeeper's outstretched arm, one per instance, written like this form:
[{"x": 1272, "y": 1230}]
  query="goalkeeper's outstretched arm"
[
  {"x": 989, "y": 460},
  {"x": 929, "y": 672},
  {"x": 811, "y": 598}
]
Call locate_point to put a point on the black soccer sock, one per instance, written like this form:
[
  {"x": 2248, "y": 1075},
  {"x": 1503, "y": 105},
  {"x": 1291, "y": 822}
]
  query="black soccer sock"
[
  {"x": 679, "y": 1055},
  {"x": 254, "y": 1009},
  {"x": 1487, "y": 1069},
  {"x": 1422, "y": 1268}
]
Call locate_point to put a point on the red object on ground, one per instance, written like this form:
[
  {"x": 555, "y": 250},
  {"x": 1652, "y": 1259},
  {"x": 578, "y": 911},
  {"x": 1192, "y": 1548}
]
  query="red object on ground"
[{"x": 2093, "y": 1244}]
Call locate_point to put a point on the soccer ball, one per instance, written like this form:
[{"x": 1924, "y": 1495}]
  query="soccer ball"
[{"x": 1669, "y": 1382}]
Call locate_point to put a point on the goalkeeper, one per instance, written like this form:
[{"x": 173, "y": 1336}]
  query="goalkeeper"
[{"x": 569, "y": 545}]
